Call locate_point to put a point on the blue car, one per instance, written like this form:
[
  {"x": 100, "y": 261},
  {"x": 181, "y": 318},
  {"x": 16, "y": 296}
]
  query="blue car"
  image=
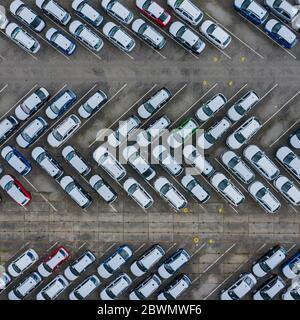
[
  {"x": 16, "y": 160},
  {"x": 291, "y": 269},
  {"x": 251, "y": 10}
]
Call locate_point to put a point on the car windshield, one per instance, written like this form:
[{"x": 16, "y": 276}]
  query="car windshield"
[
  {"x": 78, "y": 295},
  {"x": 57, "y": 135},
  {"x": 110, "y": 294},
  {"x": 147, "y": 4},
  {"x": 246, "y": 4},
  {"x": 26, "y": 137},
  {"x": 207, "y": 110},
  {"x": 191, "y": 185},
  {"x": 261, "y": 193},
  {"x": 239, "y": 109},
  {"x": 257, "y": 156},
  {"x": 165, "y": 188},
  {"x": 70, "y": 155},
  {"x": 232, "y": 294},
  {"x": 289, "y": 158},
  {"x": 233, "y": 162},
  {"x": 9, "y": 156},
  {"x": 35, "y": 23},
  {"x": 133, "y": 188},
  {"x": 141, "y": 266},
  {"x": 264, "y": 266},
  {"x": 223, "y": 184},
  {"x": 70, "y": 187},
  {"x": 148, "y": 106},
  {"x": 287, "y": 186},
  {"x": 239, "y": 137},
  {"x": 41, "y": 157},
  {"x": 276, "y": 28},
  {"x": 123, "y": 254},
  {"x": 8, "y": 186},
  {"x": 181, "y": 31},
  {"x": 295, "y": 294},
  {"x": 54, "y": 108},
  {"x": 277, "y": 3},
  {"x": 139, "y": 295},
  {"x": 87, "y": 108},
  {"x": 264, "y": 295},
  {"x": 113, "y": 31},
  {"x": 211, "y": 28},
  {"x": 209, "y": 138}
]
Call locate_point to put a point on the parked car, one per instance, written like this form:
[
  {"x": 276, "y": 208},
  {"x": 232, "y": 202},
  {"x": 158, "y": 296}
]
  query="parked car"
[
  {"x": 76, "y": 192},
  {"x": 79, "y": 266},
  {"x": 294, "y": 139},
  {"x": 5, "y": 280},
  {"x": 170, "y": 193},
  {"x": 27, "y": 16},
  {"x": 148, "y": 259},
  {"x": 117, "y": 10},
  {"x": 186, "y": 37},
  {"x": 87, "y": 12},
  {"x": 93, "y": 104},
  {"x": 240, "y": 288},
  {"x": 54, "y": 10},
  {"x": 252, "y": 10},
  {"x": 105, "y": 191},
  {"x": 292, "y": 292},
  {"x": 22, "y": 263},
  {"x": 116, "y": 288},
  {"x": 264, "y": 197},
  {"x": 174, "y": 263},
  {"x": 16, "y": 160},
  {"x": 75, "y": 159},
  {"x": 32, "y": 132},
  {"x": 261, "y": 162},
  {"x": 290, "y": 160},
  {"x": 269, "y": 261},
  {"x": 118, "y": 37},
  {"x": 288, "y": 189},
  {"x": 52, "y": 263},
  {"x": 214, "y": 33},
  {"x": 187, "y": 10},
  {"x": 174, "y": 290},
  {"x": 282, "y": 8},
  {"x": 53, "y": 289},
  {"x": 270, "y": 289},
  {"x": 109, "y": 163},
  {"x": 60, "y": 41},
  {"x": 63, "y": 131},
  {"x": 156, "y": 102},
  {"x": 7, "y": 126},
  {"x": 47, "y": 162},
  {"x": 194, "y": 187},
  {"x": 144, "y": 290},
  {"x": 3, "y": 20},
  {"x": 211, "y": 107},
  {"x": 242, "y": 106},
  {"x": 115, "y": 261},
  {"x": 85, "y": 288},
  {"x": 22, "y": 38},
  {"x": 85, "y": 35},
  {"x": 31, "y": 104},
  {"x": 149, "y": 34},
  {"x": 237, "y": 166},
  {"x": 291, "y": 268},
  {"x": 152, "y": 10},
  {"x": 15, "y": 190}
]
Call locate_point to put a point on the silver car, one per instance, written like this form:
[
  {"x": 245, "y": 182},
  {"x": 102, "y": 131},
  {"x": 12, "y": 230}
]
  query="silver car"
[
  {"x": 117, "y": 10},
  {"x": 54, "y": 10},
  {"x": 290, "y": 160}
]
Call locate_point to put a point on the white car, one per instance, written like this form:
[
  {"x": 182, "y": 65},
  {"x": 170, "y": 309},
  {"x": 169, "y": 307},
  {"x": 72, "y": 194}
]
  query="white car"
[
  {"x": 291, "y": 268},
  {"x": 7, "y": 126},
  {"x": 167, "y": 161},
  {"x": 282, "y": 8},
  {"x": 215, "y": 34},
  {"x": 61, "y": 41},
  {"x": 27, "y": 16},
  {"x": 292, "y": 292},
  {"x": 47, "y": 162},
  {"x": 138, "y": 163},
  {"x": 290, "y": 160},
  {"x": 116, "y": 288},
  {"x": 264, "y": 197},
  {"x": 149, "y": 34},
  {"x": 193, "y": 186},
  {"x": 147, "y": 260},
  {"x": 187, "y": 10},
  {"x": 176, "y": 288},
  {"x": 244, "y": 133},
  {"x": 79, "y": 266},
  {"x": 270, "y": 289},
  {"x": 115, "y": 261},
  {"x": 54, "y": 10},
  {"x": 109, "y": 163},
  {"x": 24, "y": 288},
  {"x": 138, "y": 193},
  {"x": 211, "y": 107},
  {"x": 209, "y": 138},
  {"x": 240, "y": 288},
  {"x": 22, "y": 38},
  {"x": 5, "y": 280},
  {"x": 269, "y": 261},
  {"x": 64, "y": 131},
  {"x": 118, "y": 37},
  {"x": 144, "y": 290},
  {"x": 85, "y": 288},
  {"x": 294, "y": 139},
  {"x": 157, "y": 128},
  {"x": 223, "y": 185},
  {"x": 74, "y": 158},
  {"x": 31, "y": 104},
  {"x": 16, "y": 160},
  {"x": 117, "y": 10},
  {"x": 22, "y": 263},
  {"x": 185, "y": 36},
  {"x": 237, "y": 166},
  {"x": 242, "y": 106},
  {"x": 87, "y": 12},
  {"x": 174, "y": 263},
  {"x": 125, "y": 129},
  {"x": 76, "y": 192},
  {"x": 261, "y": 162},
  {"x": 87, "y": 36},
  {"x": 3, "y": 19},
  {"x": 288, "y": 189},
  {"x": 93, "y": 104},
  {"x": 104, "y": 190},
  {"x": 196, "y": 159},
  {"x": 170, "y": 193},
  {"x": 53, "y": 289},
  {"x": 156, "y": 102}
]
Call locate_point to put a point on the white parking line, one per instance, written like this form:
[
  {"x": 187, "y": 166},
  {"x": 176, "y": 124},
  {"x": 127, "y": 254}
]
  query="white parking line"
[
  {"x": 52, "y": 246},
  {"x": 198, "y": 250},
  {"x": 82, "y": 246},
  {"x": 113, "y": 208},
  {"x": 110, "y": 247},
  {"x": 170, "y": 248},
  {"x": 140, "y": 247},
  {"x": 294, "y": 209},
  {"x": 284, "y": 133},
  {"x": 268, "y": 92},
  {"x": 3, "y": 88},
  {"x": 291, "y": 248}
]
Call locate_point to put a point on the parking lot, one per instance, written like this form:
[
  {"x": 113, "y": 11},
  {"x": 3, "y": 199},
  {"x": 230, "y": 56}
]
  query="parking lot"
[{"x": 223, "y": 239}]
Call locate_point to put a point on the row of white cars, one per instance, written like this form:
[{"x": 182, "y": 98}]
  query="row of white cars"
[{"x": 109, "y": 267}]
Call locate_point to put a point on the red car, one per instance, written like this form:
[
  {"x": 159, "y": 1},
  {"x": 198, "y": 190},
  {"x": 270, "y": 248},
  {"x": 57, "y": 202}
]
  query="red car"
[
  {"x": 53, "y": 261},
  {"x": 15, "y": 190},
  {"x": 154, "y": 11}
]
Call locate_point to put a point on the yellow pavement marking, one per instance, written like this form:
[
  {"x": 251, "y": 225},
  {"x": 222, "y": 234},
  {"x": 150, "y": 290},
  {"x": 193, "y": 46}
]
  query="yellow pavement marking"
[{"x": 196, "y": 239}]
